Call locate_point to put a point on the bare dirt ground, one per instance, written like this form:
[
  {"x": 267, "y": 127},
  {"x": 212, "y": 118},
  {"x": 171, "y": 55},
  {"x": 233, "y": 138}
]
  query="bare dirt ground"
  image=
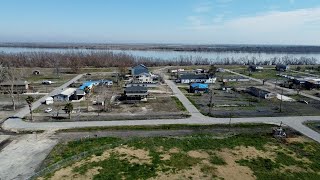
[{"x": 21, "y": 158}]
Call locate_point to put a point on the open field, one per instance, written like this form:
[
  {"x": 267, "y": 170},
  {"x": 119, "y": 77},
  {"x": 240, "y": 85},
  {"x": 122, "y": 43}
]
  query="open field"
[{"x": 197, "y": 156}]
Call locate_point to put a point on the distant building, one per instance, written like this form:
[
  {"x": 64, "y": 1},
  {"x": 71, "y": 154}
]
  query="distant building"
[
  {"x": 196, "y": 78},
  {"x": 198, "y": 88},
  {"x": 255, "y": 68},
  {"x": 221, "y": 70},
  {"x": 261, "y": 93},
  {"x": 65, "y": 95},
  {"x": 282, "y": 67},
  {"x": 19, "y": 87},
  {"x": 235, "y": 79},
  {"x": 139, "y": 69}
]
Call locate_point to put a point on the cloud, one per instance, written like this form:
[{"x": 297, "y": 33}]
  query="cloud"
[
  {"x": 203, "y": 7},
  {"x": 300, "y": 26}
]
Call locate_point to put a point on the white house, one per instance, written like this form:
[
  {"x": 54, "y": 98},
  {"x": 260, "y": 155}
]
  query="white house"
[
  {"x": 65, "y": 95},
  {"x": 144, "y": 78}
]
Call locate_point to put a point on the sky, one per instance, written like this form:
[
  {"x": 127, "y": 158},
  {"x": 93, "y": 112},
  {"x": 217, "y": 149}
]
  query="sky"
[{"x": 292, "y": 22}]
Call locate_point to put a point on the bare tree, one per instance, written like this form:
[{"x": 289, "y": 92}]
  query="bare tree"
[{"x": 11, "y": 76}]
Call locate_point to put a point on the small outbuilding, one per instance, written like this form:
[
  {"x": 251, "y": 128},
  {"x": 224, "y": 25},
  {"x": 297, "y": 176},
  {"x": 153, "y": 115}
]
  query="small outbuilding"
[
  {"x": 48, "y": 100},
  {"x": 282, "y": 67}
]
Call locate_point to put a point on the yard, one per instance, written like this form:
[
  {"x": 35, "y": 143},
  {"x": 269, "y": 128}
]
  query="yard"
[{"x": 196, "y": 156}]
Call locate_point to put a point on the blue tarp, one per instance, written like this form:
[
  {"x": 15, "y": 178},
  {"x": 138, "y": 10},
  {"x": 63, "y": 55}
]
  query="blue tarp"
[{"x": 199, "y": 85}]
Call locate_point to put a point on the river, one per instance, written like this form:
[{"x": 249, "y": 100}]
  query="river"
[{"x": 173, "y": 55}]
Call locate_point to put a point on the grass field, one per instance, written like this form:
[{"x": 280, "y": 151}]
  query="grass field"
[{"x": 200, "y": 156}]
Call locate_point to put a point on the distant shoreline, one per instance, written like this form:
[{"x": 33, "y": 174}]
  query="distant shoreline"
[{"x": 291, "y": 49}]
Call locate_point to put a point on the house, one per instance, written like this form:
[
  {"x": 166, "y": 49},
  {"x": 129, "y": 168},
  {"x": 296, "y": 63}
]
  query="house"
[
  {"x": 198, "y": 78},
  {"x": 313, "y": 84},
  {"x": 19, "y": 87},
  {"x": 282, "y": 67},
  {"x": 36, "y": 72},
  {"x": 198, "y": 88},
  {"x": 48, "y": 100},
  {"x": 143, "y": 78},
  {"x": 65, "y": 95},
  {"x": 139, "y": 69},
  {"x": 255, "y": 68},
  {"x": 261, "y": 93},
  {"x": 136, "y": 93}
]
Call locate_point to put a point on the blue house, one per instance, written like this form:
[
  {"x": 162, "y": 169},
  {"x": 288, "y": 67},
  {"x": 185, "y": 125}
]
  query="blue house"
[
  {"x": 198, "y": 88},
  {"x": 139, "y": 69}
]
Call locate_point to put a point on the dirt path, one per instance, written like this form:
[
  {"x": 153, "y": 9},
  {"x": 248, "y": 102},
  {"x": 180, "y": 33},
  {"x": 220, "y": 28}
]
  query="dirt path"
[{"x": 21, "y": 158}]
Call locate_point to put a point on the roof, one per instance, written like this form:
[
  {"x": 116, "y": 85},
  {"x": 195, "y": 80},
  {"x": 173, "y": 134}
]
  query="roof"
[
  {"x": 88, "y": 84},
  {"x": 68, "y": 91},
  {"x": 194, "y": 76},
  {"x": 199, "y": 85},
  {"x": 136, "y": 70},
  {"x": 16, "y": 83},
  {"x": 136, "y": 89}
]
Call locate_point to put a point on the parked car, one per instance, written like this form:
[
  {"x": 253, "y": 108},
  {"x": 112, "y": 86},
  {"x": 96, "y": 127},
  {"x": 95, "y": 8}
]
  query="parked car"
[
  {"x": 48, "y": 110},
  {"x": 46, "y": 82}
]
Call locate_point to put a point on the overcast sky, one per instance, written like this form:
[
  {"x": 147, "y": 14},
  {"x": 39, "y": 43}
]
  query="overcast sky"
[{"x": 161, "y": 21}]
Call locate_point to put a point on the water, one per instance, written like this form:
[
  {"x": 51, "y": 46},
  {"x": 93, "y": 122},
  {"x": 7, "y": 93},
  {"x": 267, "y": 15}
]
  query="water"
[{"x": 173, "y": 55}]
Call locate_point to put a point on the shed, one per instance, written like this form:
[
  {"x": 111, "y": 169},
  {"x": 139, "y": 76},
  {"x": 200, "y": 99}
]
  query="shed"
[{"x": 48, "y": 100}]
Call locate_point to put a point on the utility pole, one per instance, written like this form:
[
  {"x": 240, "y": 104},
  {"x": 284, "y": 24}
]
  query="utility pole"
[
  {"x": 281, "y": 100},
  {"x": 229, "y": 122},
  {"x": 210, "y": 103}
]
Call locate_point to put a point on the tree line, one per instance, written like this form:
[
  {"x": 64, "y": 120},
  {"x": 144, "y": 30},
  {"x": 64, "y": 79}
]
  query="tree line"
[{"x": 77, "y": 60}]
